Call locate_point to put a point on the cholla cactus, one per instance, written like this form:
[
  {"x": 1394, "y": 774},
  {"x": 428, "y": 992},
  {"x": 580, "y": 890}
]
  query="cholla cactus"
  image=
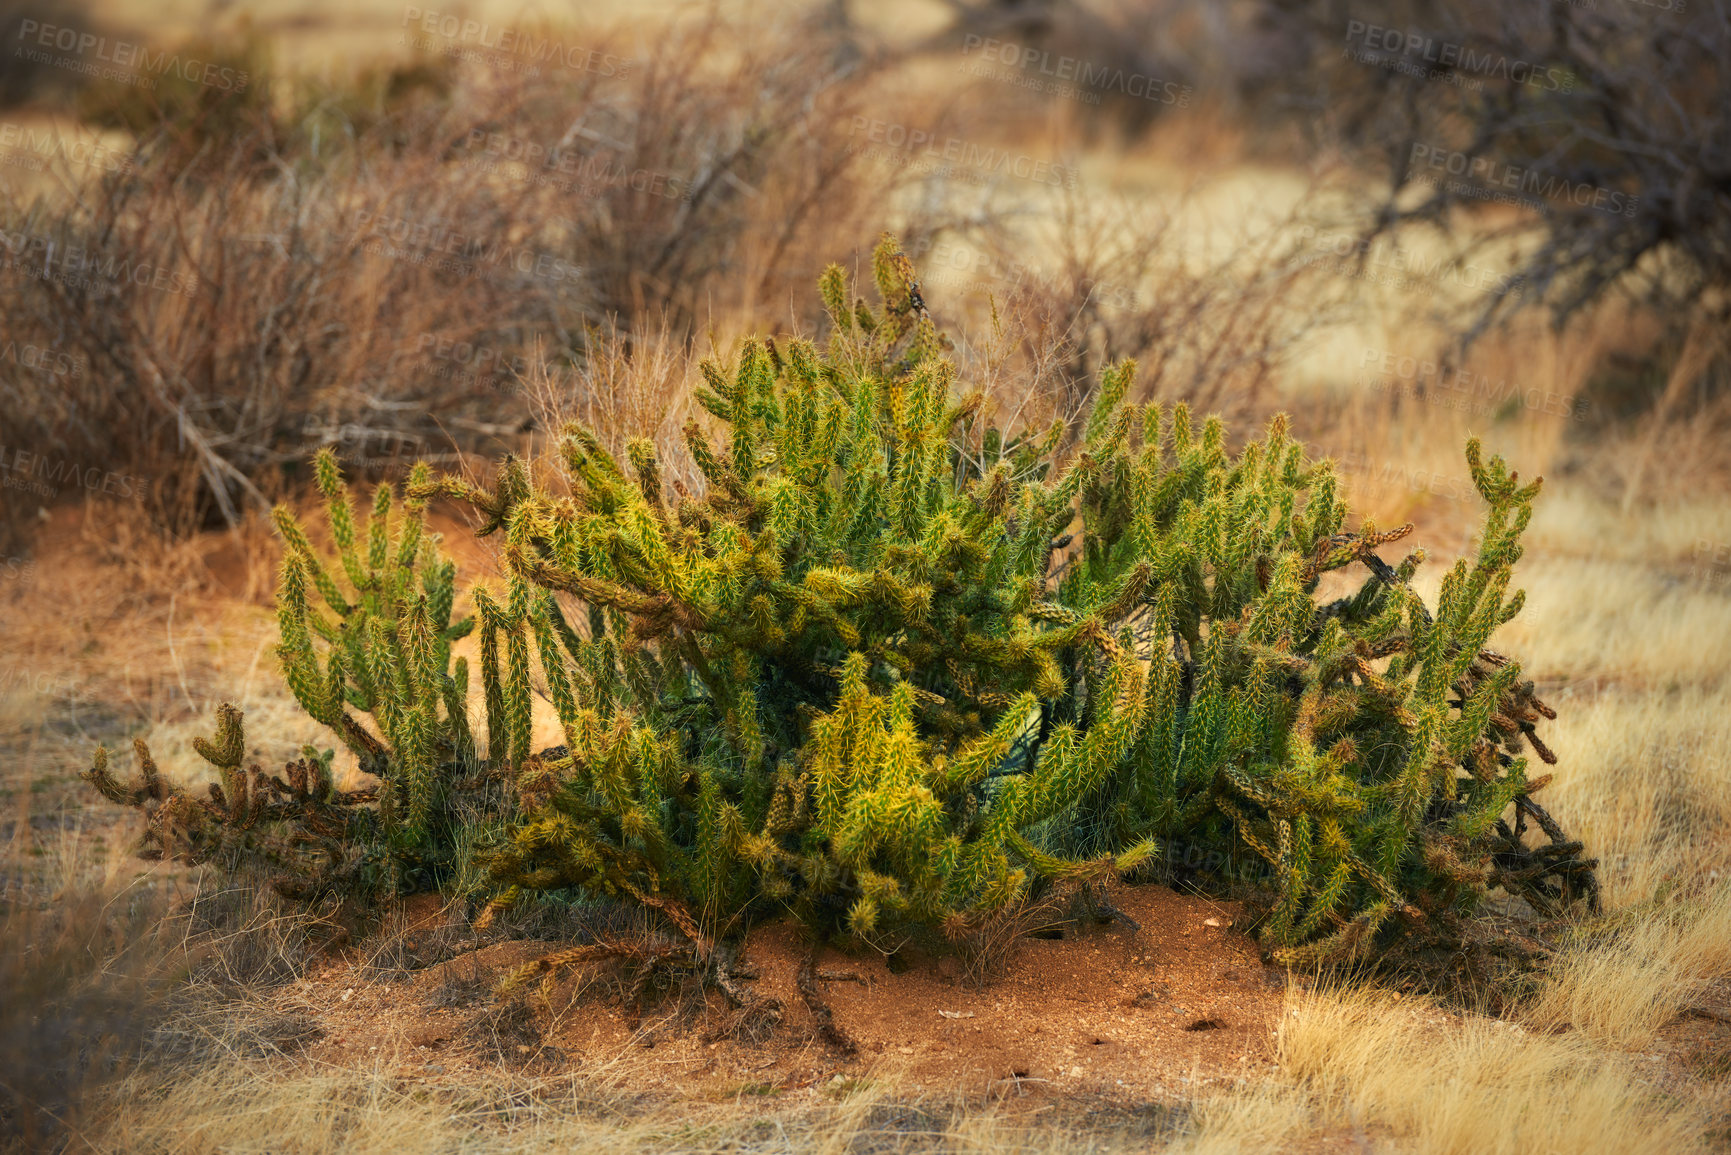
[
  {"x": 314, "y": 835},
  {"x": 387, "y": 647},
  {"x": 1365, "y": 749},
  {"x": 891, "y": 667},
  {"x": 383, "y": 650}
]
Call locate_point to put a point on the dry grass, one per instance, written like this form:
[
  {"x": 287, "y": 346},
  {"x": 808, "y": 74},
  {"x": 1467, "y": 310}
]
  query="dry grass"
[
  {"x": 632, "y": 383},
  {"x": 1386, "y": 1075},
  {"x": 1214, "y": 312},
  {"x": 82, "y": 952},
  {"x": 1469, "y": 1085},
  {"x": 1623, "y": 622},
  {"x": 233, "y": 1108},
  {"x": 1644, "y": 778},
  {"x": 1623, "y": 984},
  {"x": 84, "y": 974}
]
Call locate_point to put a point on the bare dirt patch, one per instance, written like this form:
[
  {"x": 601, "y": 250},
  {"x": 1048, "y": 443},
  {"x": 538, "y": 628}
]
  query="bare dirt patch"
[{"x": 1106, "y": 1010}]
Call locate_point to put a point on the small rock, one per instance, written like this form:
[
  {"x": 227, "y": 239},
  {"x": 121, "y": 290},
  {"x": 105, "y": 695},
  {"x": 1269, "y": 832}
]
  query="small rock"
[
  {"x": 957, "y": 1014},
  {"x": 1210, "y": 922}
]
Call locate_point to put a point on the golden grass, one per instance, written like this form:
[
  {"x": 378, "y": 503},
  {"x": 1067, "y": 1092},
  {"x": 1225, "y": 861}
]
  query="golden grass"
[
  {"x": 1407, "y": 1076},
  {"x": 1644, "y": 779},
  {"x": 1681, "y": 535},
  {"x": 1618, "y": 621},
  {"x": 1472, "y": 1085},
  {"x": 248, "y": 1107},
  {"x": 1621, "y": 987},
  {"x": 1266, "y": 1116}
]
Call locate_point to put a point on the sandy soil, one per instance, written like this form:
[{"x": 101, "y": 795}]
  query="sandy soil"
[{"x": 1105, "y": 1010}]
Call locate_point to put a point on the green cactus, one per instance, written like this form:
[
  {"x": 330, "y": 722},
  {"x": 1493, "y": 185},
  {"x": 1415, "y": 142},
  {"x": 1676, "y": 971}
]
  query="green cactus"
[
  {"x": 379, "y": 647},
  {"x": 387, "y": 648},
  {"x": 895, "y": 667}
]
